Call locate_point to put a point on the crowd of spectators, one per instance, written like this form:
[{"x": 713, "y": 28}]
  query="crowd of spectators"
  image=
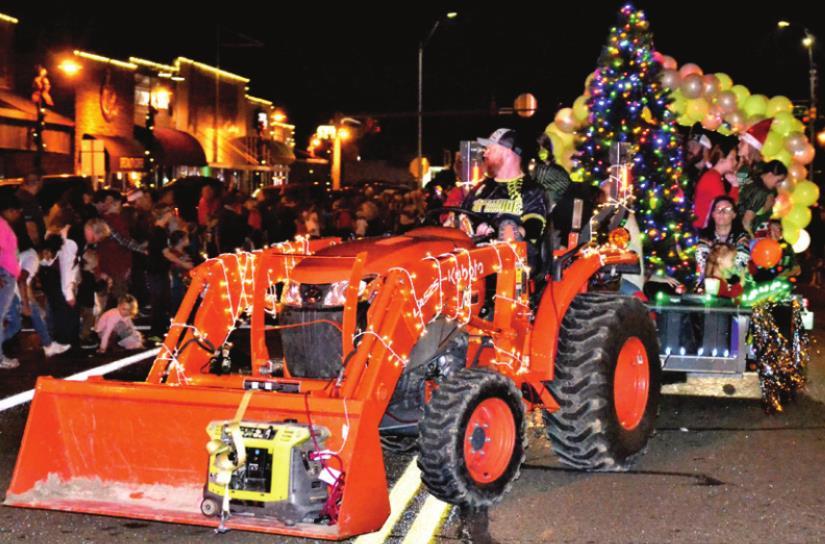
[{"x": 84, "y": 269}]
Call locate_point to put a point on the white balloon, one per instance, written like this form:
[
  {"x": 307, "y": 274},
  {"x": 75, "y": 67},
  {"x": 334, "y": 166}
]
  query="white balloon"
[{"x": 804, "y": 241}]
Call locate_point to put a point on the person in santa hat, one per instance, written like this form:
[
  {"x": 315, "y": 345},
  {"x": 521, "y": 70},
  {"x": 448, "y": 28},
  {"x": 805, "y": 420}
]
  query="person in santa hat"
[{"x": 750, "y": 150}]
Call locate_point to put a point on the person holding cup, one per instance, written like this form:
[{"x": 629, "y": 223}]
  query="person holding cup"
[{"x": 722, "y": 275}]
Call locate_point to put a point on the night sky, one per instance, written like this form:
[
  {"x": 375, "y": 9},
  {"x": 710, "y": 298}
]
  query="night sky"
[{"x": 319, "y": 60}]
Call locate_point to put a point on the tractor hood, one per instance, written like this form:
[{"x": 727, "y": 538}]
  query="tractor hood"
[{"x": 382, "y": 253}]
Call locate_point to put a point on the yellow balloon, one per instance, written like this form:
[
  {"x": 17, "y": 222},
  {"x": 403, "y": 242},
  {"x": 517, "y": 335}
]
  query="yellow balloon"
[
  {"x": 805, "y": 193},
  {"x": 725, "y": 82},
  {"x": 696, "y": 109},
  {"x": 565, "y": 139},
  {"x": 783, "y": 123},
  {"x": 799, "y": 216},
  {"x": 755, "y": 104},
  {"x": 790, "y": 232},
  {"x": 774, "y": 143},
  {"x": 784, "y": 157},
  {"x": 580, "y": 111},
  {"x": 742, "y": 93},
  {"x": 778, "y": 104}
]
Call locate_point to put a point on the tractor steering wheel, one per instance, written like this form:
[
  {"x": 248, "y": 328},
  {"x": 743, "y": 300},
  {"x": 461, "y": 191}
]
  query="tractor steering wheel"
[{"x": 475, "y": 217}]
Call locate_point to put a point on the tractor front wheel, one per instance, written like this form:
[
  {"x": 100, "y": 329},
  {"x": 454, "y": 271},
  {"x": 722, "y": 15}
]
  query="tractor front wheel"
[
  {"x": 471, "y": 442},
  {"x": 607, "y": 382}
]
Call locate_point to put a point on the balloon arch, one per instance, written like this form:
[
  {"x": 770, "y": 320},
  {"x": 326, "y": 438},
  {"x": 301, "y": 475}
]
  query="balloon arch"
[{"x": 721, "y": 106}]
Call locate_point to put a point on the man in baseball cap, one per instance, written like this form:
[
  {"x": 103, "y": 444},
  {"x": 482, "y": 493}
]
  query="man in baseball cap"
[{"x": 512, "y": 201}]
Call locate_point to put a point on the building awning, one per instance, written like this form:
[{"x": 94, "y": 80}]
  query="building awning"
[
  {"x": 17, "y": 107},
  {"x": 125, "y": 154},
  {"x": 280, "y": 153},
  {"x": 173, "y": 147}
]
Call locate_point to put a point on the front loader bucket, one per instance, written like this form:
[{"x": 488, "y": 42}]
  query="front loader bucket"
[{"x": 137, "y": 450}]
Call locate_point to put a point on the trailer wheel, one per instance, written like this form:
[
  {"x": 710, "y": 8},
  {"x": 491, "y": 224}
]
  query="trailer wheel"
[
  {"x": 607, "y": 383},
  {"x": 472, "y": 438},
  {"x": 210, "y": 507}
]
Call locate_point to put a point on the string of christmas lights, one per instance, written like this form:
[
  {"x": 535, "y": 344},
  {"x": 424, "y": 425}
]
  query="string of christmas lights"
[{"x": 781, "y": 361}]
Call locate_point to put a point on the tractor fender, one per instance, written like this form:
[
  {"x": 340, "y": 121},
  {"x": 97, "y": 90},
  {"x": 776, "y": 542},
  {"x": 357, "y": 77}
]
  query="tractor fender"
[{"x": 556, "y": 299}]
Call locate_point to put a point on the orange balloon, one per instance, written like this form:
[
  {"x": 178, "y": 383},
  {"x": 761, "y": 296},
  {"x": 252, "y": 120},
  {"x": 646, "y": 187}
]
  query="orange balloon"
[
  {"x": 797, "y": 172},
  {"x": 766, "y": 253}
]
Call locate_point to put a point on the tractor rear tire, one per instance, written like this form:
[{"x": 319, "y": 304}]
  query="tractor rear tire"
[
  {"x": 607, "y": 383},
  {"x": 472, "y": 438}
]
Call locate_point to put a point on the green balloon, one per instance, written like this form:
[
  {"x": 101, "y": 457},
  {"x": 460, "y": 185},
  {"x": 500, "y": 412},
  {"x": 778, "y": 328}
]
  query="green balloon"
[
  {"x": 725, "y": 82},
  {"x": 774, "y": 143},
  {"x": 799, "y": 216},
  {"x": 742, "y": 93},
  {"x": 755, "y": 104},
  {"x": 805, "y": 194},
  {"x": 778, "y": 104}
]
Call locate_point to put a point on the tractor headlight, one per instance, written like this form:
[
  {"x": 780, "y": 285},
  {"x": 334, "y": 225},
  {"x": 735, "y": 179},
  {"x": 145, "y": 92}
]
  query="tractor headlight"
[
  {"x": 336, "y": 294},
  {"x": 291, "y": 295},
  {"x": 330, "y": 295}
]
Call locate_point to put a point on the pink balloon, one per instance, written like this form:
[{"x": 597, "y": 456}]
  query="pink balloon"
[
  {"x": 690, "y": 68},
  {"x": 691, "y": 85},
  {"x": 726, "y": 101},
  {"x": 736, "y": 120},
  {"x": 805, "y": 156},
  {"x": 671, "y": 80},
  {"x": 795, "y": 142},
  {"x": 710, "y": 85},
  {"x": 669, "y": 63}
]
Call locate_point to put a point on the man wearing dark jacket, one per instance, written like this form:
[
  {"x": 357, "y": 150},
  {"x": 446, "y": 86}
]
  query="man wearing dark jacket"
[
  {"x": 232, "y": 227},
  {"x": 512, "y": 201}
]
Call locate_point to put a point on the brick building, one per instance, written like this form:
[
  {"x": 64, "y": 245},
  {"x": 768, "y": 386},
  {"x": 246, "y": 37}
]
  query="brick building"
[{"x": 18, "y": 120}]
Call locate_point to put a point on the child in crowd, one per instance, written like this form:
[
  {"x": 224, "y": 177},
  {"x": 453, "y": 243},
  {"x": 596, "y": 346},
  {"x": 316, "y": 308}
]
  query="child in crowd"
[
  {"x": 92, "y": 288},
  {"x": 117, "y": 323},
  {"x": 721, "y": 269}
]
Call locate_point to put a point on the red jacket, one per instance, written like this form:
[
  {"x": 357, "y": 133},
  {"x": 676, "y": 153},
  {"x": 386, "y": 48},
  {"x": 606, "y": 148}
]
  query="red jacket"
[{"x": 708, "y": 187}]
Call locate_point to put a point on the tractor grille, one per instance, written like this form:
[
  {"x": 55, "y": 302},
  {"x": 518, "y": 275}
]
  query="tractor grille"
[{"x": 313, "y": 350}]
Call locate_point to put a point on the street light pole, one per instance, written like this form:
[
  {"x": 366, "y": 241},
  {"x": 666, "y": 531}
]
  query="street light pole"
[
  {"x": 420, "y": 169},
  {"x": 421, "y": 45},
  {"x": 808, "y": 42}
]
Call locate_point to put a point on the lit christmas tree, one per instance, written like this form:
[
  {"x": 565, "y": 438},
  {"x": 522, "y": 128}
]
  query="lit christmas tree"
[{"x": 628, "y": 104}]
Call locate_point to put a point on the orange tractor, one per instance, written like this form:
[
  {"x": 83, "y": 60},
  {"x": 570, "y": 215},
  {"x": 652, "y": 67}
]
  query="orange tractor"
[{"x": 429, "y": 335}]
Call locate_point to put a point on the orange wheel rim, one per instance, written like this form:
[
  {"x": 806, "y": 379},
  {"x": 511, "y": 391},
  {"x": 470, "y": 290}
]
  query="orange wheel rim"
[
  {"x": 489, "y": 440},
  {"x": 631, "y": 383}
]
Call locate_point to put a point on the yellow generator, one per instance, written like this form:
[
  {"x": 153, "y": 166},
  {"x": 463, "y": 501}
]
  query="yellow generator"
[{"x": 265, "y": 470}]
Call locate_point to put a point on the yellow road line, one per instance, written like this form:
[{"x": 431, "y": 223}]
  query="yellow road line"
[
  {"x": 428, "y": 521},
  {"x": 401, "y": 494}
]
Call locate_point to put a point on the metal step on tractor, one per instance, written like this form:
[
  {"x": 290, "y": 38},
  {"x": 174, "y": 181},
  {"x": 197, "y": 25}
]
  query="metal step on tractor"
[{"x": 430, "y": 336}]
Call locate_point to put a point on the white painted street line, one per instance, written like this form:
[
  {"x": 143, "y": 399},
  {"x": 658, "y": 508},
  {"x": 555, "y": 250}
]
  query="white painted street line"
[
  {"x": 26, "y": 396},
  {"x": 428, "y": 521},
  {"x": 401, "y": 494}
]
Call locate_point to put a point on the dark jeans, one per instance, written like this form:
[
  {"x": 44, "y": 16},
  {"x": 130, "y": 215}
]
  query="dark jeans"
[
  {"x": 159, "y": 295},
  {"x": 66, "y": 321}
]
